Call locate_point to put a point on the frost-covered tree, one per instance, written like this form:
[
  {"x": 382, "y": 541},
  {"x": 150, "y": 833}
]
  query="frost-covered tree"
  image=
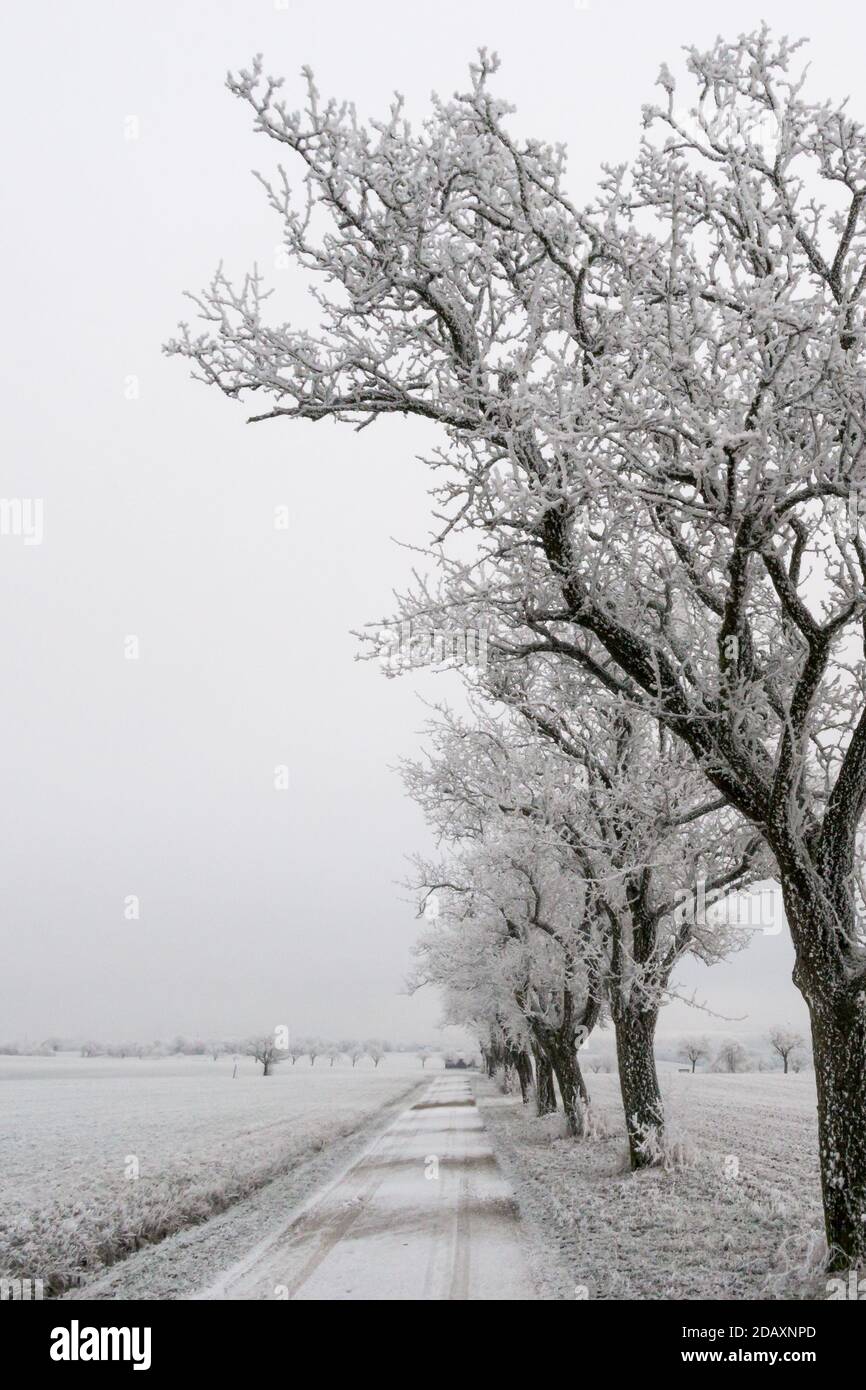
[
  {"x": 653, "y": 415},
  {"x": 516, "y": 933},
  {"x": 264, "y": 1049},
  {"x": 470, "y": 959},
  {"x": 786, "y": 1043},
  {"x": 693, "y": 1050},
  {"x": 513, "y": 950},
  {"x": 731, "y": 1056},
  {"x": 629, "y": 819}
]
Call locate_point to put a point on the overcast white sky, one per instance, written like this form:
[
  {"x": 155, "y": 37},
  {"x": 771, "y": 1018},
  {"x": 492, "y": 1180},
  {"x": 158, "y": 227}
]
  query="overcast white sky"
[{"x": 155, "y": 777}]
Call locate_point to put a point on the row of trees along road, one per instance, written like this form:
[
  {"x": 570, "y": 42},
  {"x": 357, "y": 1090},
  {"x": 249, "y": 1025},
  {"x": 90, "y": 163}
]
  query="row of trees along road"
[{"x": 652, "y": 418}]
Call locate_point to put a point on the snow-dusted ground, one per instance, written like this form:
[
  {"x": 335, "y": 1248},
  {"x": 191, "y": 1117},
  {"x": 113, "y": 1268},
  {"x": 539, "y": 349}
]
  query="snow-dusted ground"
[
  {"x": 351, "y": 1212},
  {"x": 423, "y": 1214},
  {"x": 740, "y": 1219},
  {"x": 361, "y": 1220},
  {"x": 74, "y": 1130}
]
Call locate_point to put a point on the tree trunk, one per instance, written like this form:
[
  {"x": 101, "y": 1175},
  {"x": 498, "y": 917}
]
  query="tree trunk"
[
  {"x": 839, "y": 1045},
  {"x": 267, "y": 1068},
  {"x": 639, "y": 1085},
  {"x": 785, "y": 1065},
  {"x": 581, "y": 1084},
  {"x": 571, "y": 1086},
  {"x": 545, "y": 1092},
  {"x": 837, "y": 1011},
  {"x": 524, "y": 1074},
  {"x": 493, "y": 1058}
]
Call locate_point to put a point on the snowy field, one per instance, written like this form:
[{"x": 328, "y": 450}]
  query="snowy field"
[
  {"x": 76, "y": 1131},
  {"x": 736, "y": 1215},
  {"x": 739, "y": 1219}
]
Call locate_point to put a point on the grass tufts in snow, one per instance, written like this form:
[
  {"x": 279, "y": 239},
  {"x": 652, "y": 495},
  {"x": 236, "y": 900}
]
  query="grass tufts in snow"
[
  {"x": 719, "y": 1218},
  {"x": 671, "y": 1150}
]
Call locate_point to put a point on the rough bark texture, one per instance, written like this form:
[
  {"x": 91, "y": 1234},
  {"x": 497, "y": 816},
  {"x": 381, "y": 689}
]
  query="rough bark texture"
[
  {"x": 545, "y": 1091},
  {"x": 564, "y": 1061},
  {"x": 839, "y": 1045},
  {"x": 523, "y": 1067},
  {"x": 559, "y": 1046},
  {"x": 562, "y": 1051},
  {"x": 641, "y": 1097},
  {"x": 836, "y": 997}
]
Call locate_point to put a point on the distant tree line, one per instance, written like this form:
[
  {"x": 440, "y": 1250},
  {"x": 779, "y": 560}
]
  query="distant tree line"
[
  {"x": 786, "y": 1048},
  {"x": 260, "y": 1047}
]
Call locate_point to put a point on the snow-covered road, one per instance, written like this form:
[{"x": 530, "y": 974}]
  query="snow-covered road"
[{"x": 424, "y": 1213}]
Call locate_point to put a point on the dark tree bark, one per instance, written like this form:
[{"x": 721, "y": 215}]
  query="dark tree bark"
[
  {"x": 638, "y": 1080},
  {"x": 563, "y": 1056},
  {"x": 494, "y": 1057},
  {"x": 559, "y": 1046},
  {"x": 839, "y": 1044},
  {"x": 581, "y": 1084},
  {"x": 523, "y": 1067},
  {"x": 545, "y": 1091},
  {"x": 837, "y": 1011},
  {"x": 634, "y": 1007}
]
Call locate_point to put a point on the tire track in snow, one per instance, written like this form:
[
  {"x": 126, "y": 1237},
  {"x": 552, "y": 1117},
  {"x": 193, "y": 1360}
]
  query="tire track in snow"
[{"x": 395, "y": 1225}]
